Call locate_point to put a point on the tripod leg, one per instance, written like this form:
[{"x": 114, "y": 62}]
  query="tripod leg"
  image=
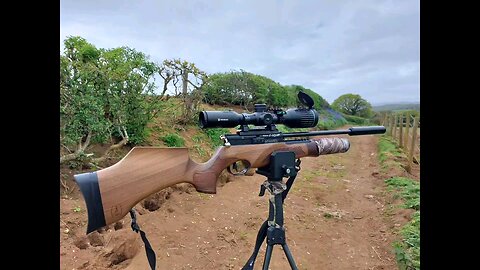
[
  {"x": 262, "y": 233},
  {"x": 268, "y": 256},
  {"x": 289, "y": 257}
]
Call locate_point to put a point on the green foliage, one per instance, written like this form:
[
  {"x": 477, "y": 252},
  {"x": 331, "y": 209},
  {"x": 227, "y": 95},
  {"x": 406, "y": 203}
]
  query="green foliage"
[
  {"x": 319, "y": 102},
  {"x": 407, "y": 250},
  {"x": 285, "y": 129},
  {"x": 192, "y": 80},
  {"x": 173, "y": 140},
  {"x": 357, "y": 120},
  {"x": 353, "y": 104},
  {"x": 387, "y": 148},
  {"x": 105, "y": 93},
  {"x": 214, "y": 135},
  {"x": 327, "y": 215},
  {"x": 330, "y": 119},
  {"x": 408, "y": 189},
  {"x": 245, "y": 89}
]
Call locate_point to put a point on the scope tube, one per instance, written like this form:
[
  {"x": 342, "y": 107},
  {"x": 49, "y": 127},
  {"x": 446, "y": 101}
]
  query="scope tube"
[
  {"x": 226, "y": 119},
  {"x": 293, "y": 118}
]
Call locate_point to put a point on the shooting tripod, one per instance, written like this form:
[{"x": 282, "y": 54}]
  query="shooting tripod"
[{"x": 282, "y": 164}]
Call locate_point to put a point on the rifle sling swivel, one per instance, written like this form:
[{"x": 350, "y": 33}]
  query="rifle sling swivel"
[{"x": 152, "y": 259}]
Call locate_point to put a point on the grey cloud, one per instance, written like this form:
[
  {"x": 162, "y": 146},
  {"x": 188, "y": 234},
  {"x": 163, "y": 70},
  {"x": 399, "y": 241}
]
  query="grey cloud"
[{"x": 331, "y": 47}]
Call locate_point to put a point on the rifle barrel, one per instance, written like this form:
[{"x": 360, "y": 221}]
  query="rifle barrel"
[{"x": 353, "y": 131}]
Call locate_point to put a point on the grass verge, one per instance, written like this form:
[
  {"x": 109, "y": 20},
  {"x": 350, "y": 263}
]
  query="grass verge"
[{"x": 407, "y": 248}]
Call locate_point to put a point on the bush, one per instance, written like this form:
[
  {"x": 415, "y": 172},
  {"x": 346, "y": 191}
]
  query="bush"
[
  {"x": 330, "y": 119},
  {"x": 245, "y": 89},
  {"x": 214, "y": 135},
  {"x": 173, "y": 140},
  {"x": 356, "y": 120},
  {"x": 104, "y": 94}
]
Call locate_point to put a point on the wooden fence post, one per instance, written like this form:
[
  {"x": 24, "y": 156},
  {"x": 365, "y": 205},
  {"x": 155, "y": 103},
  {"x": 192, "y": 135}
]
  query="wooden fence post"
[
  {"x": 395, "y": 127},
  {"x": 400, "y": 134},
  {"x": 391, "y": 125},
  {"x": 412, "y": 145},
  {"x": 407, "y": 134}
]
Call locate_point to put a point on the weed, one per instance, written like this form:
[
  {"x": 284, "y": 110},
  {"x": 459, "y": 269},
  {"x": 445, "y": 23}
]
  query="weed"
[
  {"x": 407, "y": 251},
  {"x": 203, "y": 196},
  {"x": 408, "y": 189},
  {"x": 356, "y": 120},
  {"x": 327, "y": 215},
  {"x": 243, "y": 236},
  {"x": 387, "y": 148},
  {"x": 173, "y": 140},
  {"x": 214, "y": 135}
]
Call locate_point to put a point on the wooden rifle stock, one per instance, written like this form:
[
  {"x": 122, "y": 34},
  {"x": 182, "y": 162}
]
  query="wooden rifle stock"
[{"x": 111, "y": 192}]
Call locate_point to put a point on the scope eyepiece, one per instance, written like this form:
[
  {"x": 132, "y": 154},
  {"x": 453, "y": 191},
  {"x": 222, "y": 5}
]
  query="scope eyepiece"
[{"x": 300, "y": 118}]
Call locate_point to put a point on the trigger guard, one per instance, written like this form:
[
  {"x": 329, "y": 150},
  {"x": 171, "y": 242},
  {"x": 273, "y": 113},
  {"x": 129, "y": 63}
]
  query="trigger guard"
[{"x": 234, "y": 165}]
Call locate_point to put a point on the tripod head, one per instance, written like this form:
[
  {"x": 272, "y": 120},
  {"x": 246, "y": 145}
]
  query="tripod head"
[{"x": 282, "y": 164}]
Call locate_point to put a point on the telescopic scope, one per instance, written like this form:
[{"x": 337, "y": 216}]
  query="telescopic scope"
[{"x": 292, "y": 118}]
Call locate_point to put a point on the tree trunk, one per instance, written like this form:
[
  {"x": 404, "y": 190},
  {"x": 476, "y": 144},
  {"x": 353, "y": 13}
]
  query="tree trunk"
[
  {"x": 187, "y": 102},
  {"x": 69, "y": 157},
  {"x": 123, "y": 142},
  {"x": 80, "y": 149}
]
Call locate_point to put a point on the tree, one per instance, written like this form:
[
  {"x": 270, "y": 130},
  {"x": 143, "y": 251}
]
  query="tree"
[
  {"x": 192, "y": 79},
  {"x": 234, "y": 87},
  {"x": 106, "y": 96},
  {"x": 245, "y": 89},
  {"x": 353, "y": 104}
]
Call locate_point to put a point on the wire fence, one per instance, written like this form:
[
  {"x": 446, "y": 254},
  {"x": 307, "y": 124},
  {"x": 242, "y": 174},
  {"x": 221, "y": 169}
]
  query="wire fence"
[{"x": 404, "y": 128}]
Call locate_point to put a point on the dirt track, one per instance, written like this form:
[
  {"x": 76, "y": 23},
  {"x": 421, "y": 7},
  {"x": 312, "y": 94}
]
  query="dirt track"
[{"x": 334, "y": 217}]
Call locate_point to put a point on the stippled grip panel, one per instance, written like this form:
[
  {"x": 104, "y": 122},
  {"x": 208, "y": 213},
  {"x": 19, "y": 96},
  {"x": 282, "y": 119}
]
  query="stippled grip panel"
[{"x": 332, "y": 145}]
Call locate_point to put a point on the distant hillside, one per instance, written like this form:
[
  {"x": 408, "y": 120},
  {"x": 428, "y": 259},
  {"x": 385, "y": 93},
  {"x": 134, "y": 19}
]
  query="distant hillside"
[{"x": 397, "y": 107}]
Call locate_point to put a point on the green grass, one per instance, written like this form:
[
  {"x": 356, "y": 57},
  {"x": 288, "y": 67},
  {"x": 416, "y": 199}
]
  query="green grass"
[
  {"x": 243, "y": 235},
  {"x": 407, "y": 189},
  {"x": 173, "y": 140},
  {"x": 356, "y": 120},
  {"x": 198, "y": 138},
  {"x": 214, "y": 135},
  {"x": 327, "y": 215},
  {"x": 387, "y": 149},
  {"x": 329, "y": 121},
  {"x": 285, "y": 129},
  {"x": 407, "y": 250},
  {"x": 204, "y": 196}
]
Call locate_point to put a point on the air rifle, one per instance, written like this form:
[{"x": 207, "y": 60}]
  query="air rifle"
[{"x": 110, "y": 193}]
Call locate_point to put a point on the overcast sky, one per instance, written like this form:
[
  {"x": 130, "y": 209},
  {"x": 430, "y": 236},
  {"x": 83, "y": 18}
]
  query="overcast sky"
[{"x": 368, "y": 47}]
